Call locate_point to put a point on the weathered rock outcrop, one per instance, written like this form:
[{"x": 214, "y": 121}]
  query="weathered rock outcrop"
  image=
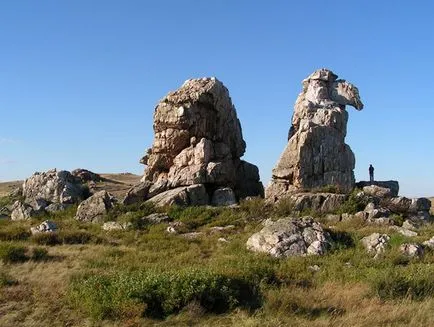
[
  {"x": 198, "y": 141},
  {"x": 46, "y": 226},
  {"x": 316, "y": 154},
  {"x": 393, "y": 186},
  {"x": 95, "y": 207},
  {"x": 48, "y": 191},
  {"x": 290, "y": 237},
  {"x": 376, "y": 243},
  {"x": 53, "y": 187}
]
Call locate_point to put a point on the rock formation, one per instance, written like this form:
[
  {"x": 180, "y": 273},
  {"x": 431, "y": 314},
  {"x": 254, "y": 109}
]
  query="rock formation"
[
  {"x": 48, "y": 191},
  {"x": 316, "y": 154},
  {"x": 291, "y": 237},
  {"x": 95, "y": 207},
  {"x": 198, "y": 141}
]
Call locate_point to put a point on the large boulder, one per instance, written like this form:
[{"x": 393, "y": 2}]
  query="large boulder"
[
  {"x": 393, "y": 186},
  {"x": 318, "y": 202},
  {"x": 316, "y": 154},
  {"x": 95, "y": 207},
  {"x": 182, "y": 196},
  {"x": 197, "y": 140},
  {"x": 53, "y": 187},
  {"x": 22, "y": 211},
  {"x": 290, "y": 237}
]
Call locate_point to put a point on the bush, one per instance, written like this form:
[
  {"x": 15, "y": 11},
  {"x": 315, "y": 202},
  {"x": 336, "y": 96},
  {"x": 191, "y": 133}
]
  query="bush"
[
  {"x": 162, "y": 293},
  {"x": 193, "y": 217},
  {"x": 6, "y": 279},
  {"x": 39, "y": 254},
  {"x": 415, "y": 282},
  {"x": 13, "y": 232},
  {"x": 78, "y": 237},
  {"x": 46, "y": 239},
  {"x": 11, "y": 253},
  {"x": 352, "y": 205},
  {"x": 66, "y": 237},
  {"x": 284, "y": 207}
]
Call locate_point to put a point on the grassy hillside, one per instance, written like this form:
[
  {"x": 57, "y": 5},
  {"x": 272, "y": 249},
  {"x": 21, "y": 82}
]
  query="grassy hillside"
[{"x": 84, "y": 276}]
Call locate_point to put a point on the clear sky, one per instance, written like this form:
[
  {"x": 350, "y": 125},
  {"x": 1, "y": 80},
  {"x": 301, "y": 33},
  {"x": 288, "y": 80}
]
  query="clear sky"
[{"x": 79, "y": 79}]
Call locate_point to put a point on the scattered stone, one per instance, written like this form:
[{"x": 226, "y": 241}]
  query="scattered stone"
[
  {"x": 404, "y": 231},
  {"x": 192, "y": 235},
  {"x": 223, "y": 196},
  {"x": 46, "y": 226},
  {"x": 393, "y": 186},
  {"x": 217, "y": 229},
  {"x": 197, "y": 140},
  {"x": 157, "y": 218},
  {"x": 429, "y": 243},
  {"x": 56, "y": 207},
  {"x": 347, "y": 217},
  {"x": 22, "y": 211},
  {"x": 375, "y": 243},
  {"x": 383, "y": 221},
  {"x": 333, "y": 218},
  {"x": 291, "y": 237},
  {"x": 174, "y": 227},
  {"x": 114, "y": 225},
  {"x": 314, "y": 268},
  {"x": 222, "y": 240},
  {"x": 94, "y": 208},
  {"x": 411, "y": 250},
  {"x": 412, "y": 224},
  {"x": 316, "y": 155}
]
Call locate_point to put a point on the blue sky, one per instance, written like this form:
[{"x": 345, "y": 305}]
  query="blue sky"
[{"x": 79, "y": 80}]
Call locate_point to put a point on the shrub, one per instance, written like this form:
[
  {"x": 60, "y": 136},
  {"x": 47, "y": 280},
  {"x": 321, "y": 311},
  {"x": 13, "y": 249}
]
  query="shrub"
[
  {"x": 162, "y": 293},
  {"x": 193, "y": 217},
  {"x": 284, "y": 207},
  {"x": 352, "y": 205},
  {"x": 11, "y": 253},
  {"x": 78, "y": 237},
  {"x": 13, "y": 232},
  {"x": 6, "y": 279},
  {"x": 46, "y": 238},
  {"x": 414, "y": 281},
  {"x": 39, "y": 254}
]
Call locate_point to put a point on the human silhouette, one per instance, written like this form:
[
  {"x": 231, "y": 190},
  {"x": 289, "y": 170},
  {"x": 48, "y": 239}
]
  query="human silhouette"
[{"x": 371, "y": 173}]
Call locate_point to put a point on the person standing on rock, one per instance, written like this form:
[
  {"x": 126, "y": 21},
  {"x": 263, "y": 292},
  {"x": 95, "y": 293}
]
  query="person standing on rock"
[{"x": 371, "y": 173}]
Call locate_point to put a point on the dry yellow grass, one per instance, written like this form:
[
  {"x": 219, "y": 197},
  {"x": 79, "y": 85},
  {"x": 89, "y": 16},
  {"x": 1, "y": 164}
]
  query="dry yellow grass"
[{"x": 7, "y": 187}]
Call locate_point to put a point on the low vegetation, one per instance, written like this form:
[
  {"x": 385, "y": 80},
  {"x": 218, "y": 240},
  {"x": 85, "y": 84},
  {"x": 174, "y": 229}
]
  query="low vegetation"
[{"x": 85, "y": 276}]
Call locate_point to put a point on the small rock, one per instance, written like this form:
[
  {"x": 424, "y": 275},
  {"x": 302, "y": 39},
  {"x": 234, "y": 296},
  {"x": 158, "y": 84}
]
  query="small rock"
[
  {"x": 174, "y": 226},
  {"x": 221, "y": 228},
  {"x": 192, "y": 235},
  {"x": 53, "y": 207},
  {"x": 375, "y": 243},
  {"x": 404, "y": 231},
  {"x": 157, "y": 218},
  {"x": 333, "y": 218},
  {"x": 347, "y": 216},
  {"x": 411, "y": 250},
  {"x": 223, "y": 240},
  {"x": 314, "y": 268},
  {"x": 46, "y": 226},
  {"x": 429, "y": 243},
  {"x": 114, "y": 225},
  {"x": 411, "y": 224}
]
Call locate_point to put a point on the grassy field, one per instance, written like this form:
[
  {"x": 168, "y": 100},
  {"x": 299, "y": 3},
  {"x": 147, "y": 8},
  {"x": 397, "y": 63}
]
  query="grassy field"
[{"x": 84, "y": 276}]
